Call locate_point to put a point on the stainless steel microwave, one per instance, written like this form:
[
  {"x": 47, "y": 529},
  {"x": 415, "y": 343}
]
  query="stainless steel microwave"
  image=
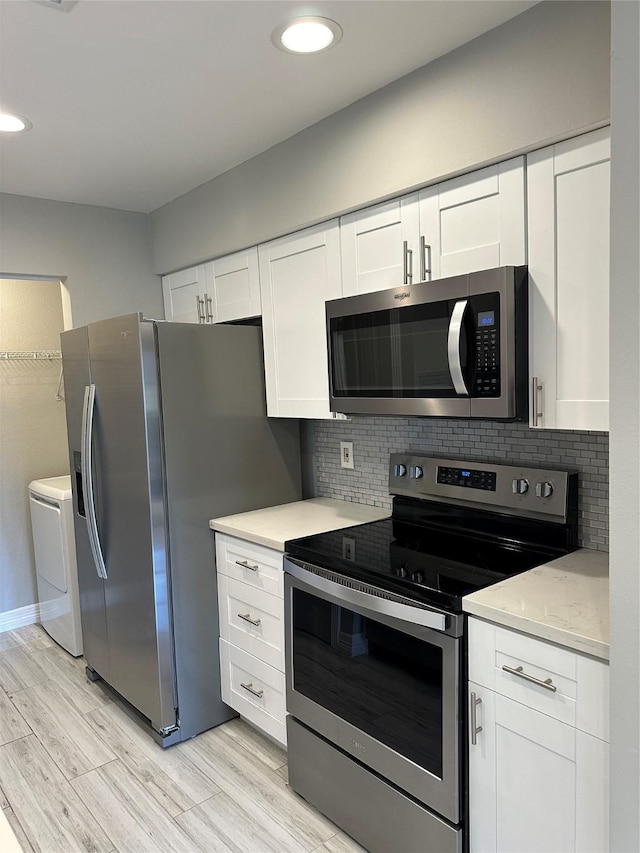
[{"x": 456, "y": 347}]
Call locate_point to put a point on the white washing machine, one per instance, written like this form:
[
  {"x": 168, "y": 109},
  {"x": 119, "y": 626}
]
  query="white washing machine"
[{"x": 54, "y": 545}]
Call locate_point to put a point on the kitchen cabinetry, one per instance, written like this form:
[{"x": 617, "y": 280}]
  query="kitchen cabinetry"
[
  {"x": 473, "y": 222},
  {"x": 184, "y": 295},
  {"x": 298, "y": 273},
  {"x": 568, "y": 226},
  {"x": 538, "y": 756},
  {"x": 250, "y": 605},
  {"x": 234, "y": 285},
  {"x": 216, "y": 292}
]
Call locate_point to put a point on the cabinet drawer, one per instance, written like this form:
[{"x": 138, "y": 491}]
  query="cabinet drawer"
[
  {"x": 253, "y": 564},
  {"x": 241, "y": 606},
  {"x": 254, "y": 689},
  {"x": 527, "y": 669}
]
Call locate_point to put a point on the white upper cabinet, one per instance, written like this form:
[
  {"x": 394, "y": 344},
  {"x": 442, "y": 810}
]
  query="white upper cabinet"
[
  {"x": 216, "y": 292},
  {"x": 298, "y": 273},
  {"x": 233, "y": 286},
  {"x": 568, "y": 221},
  {"x": 184, "y": 295},
  {"x": 476, "y": 221},
  {"x": 378, "y": 246},
  {"x": 473, "y": 222}
]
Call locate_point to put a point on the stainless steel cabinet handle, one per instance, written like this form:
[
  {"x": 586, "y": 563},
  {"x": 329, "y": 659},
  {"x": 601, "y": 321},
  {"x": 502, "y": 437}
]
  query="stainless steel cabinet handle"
[
  {"x": 209, "y": 303},
  {"x": 86, "y": 466},
  {"x": 475, "y": 728},
  {"x": 547, "y": 683},
  {"x": 425, "y": 270},
  {"x": 200, "y": 309},
  {"x": 246, "y": 565},
  {"x": 537, "y": 396},
  {"x": 247, "y": 618},
  {"x": 251, "y": 689},
  {"x": 407, "y": 262}
]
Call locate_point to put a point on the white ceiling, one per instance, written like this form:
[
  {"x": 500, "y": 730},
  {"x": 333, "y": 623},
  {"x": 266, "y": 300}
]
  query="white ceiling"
[{"x": 135, "y": 102}]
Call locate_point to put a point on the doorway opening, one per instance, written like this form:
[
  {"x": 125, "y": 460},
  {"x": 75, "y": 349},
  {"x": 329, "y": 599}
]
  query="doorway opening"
[{"x": 33, "y": 435}]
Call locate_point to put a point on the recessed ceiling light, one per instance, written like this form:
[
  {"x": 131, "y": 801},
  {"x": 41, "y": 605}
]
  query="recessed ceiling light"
[
  {"x": 306, "y": 35},
  {"x": 11, "y": 123}
]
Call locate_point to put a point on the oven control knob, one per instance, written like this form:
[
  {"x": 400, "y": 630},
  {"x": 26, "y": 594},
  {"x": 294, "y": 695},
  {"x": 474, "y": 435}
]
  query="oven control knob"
[
  {"x": 401, "y": 572},
  {"x": 544, "y": 489},
  {"x": 519, "y": 486},
  {"x": 400, "y": 470},
  {"x": 416, "y": 472}
]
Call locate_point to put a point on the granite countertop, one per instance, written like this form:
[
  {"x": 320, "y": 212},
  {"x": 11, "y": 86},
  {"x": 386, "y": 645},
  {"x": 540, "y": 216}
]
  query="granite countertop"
[
  {"x": 565, "y": 601},
  {"x": 273, "y": 526}
]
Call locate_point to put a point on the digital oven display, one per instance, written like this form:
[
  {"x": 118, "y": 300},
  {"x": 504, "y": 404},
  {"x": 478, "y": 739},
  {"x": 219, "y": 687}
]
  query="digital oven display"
[
  {"x": 486, "y": 318},
  {"x": 467, "y": 478}
]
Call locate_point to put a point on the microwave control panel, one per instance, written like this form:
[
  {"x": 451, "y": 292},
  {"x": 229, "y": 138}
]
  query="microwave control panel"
[{"x": 486, "y": 381}]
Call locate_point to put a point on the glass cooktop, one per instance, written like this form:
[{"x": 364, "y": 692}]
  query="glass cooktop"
[{"x": 436, "y": 561}]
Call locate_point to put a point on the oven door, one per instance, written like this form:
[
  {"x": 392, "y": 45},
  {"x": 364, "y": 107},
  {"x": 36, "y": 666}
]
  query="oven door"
[{"x": 364, "y": 674}]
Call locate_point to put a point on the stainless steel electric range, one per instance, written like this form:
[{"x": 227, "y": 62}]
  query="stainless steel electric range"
[{"x": 376, "y": 647}]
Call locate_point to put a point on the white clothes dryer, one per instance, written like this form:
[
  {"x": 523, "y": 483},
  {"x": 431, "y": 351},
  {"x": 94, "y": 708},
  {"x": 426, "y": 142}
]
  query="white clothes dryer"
[{"x": 51, "y": 503}]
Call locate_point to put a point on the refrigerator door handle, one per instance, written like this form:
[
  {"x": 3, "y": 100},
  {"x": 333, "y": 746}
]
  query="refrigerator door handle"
[{"x": 86, "y": 467}]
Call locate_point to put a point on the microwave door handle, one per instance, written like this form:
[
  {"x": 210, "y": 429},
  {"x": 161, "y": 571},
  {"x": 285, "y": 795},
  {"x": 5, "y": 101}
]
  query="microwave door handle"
[{"x": 453, "y": 347}]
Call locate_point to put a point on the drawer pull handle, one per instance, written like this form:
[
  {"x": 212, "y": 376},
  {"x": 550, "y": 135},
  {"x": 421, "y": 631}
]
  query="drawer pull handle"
[
  {"x": 247, "y": 618},
  {"x": 246, "y": 565},
  {"x": 547, "y": 684},
  {"x": 251, "y": 689}
]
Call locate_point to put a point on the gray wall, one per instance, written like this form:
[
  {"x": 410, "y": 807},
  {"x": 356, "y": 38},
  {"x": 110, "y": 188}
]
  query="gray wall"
[
  {"x": 540, "y": 77},
  {"x": 625, "y": 428},
  {"x": 375, "y": 438},
  {"x": 103, "y": 254}
]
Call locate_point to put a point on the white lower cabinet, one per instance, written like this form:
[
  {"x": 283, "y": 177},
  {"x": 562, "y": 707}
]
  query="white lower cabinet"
[
  {"x": 537, "y": 783},
  {"x": 254, "y": 689},
  {"x": 251, "y": 613}
]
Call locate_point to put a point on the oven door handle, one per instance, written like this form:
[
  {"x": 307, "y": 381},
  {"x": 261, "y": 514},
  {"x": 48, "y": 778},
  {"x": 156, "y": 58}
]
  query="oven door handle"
[{"x": 368, "y": 601}]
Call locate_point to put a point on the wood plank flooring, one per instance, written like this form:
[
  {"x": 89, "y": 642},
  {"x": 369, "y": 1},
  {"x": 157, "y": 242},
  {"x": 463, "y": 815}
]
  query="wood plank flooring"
[{"x": 78, "y": 774}]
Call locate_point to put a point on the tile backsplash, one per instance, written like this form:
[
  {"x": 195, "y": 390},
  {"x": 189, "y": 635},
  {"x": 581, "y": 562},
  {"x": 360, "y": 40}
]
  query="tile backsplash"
[{"x": 374, "y": 438}]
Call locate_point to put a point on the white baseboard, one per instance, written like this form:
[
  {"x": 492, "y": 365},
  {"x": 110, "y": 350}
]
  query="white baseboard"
[{"x": 11, "y": 619}]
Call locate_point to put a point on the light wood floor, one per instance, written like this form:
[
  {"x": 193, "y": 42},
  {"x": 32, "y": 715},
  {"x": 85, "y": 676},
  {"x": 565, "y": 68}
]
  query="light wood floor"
[{"x": 77, "y": 774}]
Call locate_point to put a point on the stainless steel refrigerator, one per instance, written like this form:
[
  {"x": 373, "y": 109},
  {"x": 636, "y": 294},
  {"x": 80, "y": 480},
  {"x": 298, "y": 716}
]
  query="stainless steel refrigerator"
[{"x": 167, "y": 428}]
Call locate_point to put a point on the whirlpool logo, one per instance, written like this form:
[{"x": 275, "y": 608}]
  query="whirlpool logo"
[
  {"x": 356, "y": 743},
  {"x": 404, "y": 295}
]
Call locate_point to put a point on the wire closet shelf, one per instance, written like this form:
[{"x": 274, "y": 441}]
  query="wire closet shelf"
[{"x": 29, "y": 355}]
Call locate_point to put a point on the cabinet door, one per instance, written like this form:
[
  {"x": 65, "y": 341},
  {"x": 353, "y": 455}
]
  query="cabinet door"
[
  {"x": 568, "y": 218},
  {"x": 233, "y": 286},
  {"x": 298, "y": 273},
  {"x": 477, "y": 220},
  {"x": 482, "y": 769},
  {"x": 536, "y": 785},
  {"x": 183, "y": 294},
  {"x": 379, "y": 246}
]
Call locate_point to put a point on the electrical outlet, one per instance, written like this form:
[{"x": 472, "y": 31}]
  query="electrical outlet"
[
  {"x": 348, "y": 548},
  {"x": 346, "y": 454}
]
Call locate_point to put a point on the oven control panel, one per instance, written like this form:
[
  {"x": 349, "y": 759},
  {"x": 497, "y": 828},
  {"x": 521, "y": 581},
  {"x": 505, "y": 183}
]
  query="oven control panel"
[
  {"x": 514, "y": 489},
  {"x": 467, "y": 478}
]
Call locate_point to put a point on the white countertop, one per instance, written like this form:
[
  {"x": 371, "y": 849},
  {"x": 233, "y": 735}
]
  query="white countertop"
[
  {"x": 565, "y": 601},
  {"x": 274, "y": 525}
]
